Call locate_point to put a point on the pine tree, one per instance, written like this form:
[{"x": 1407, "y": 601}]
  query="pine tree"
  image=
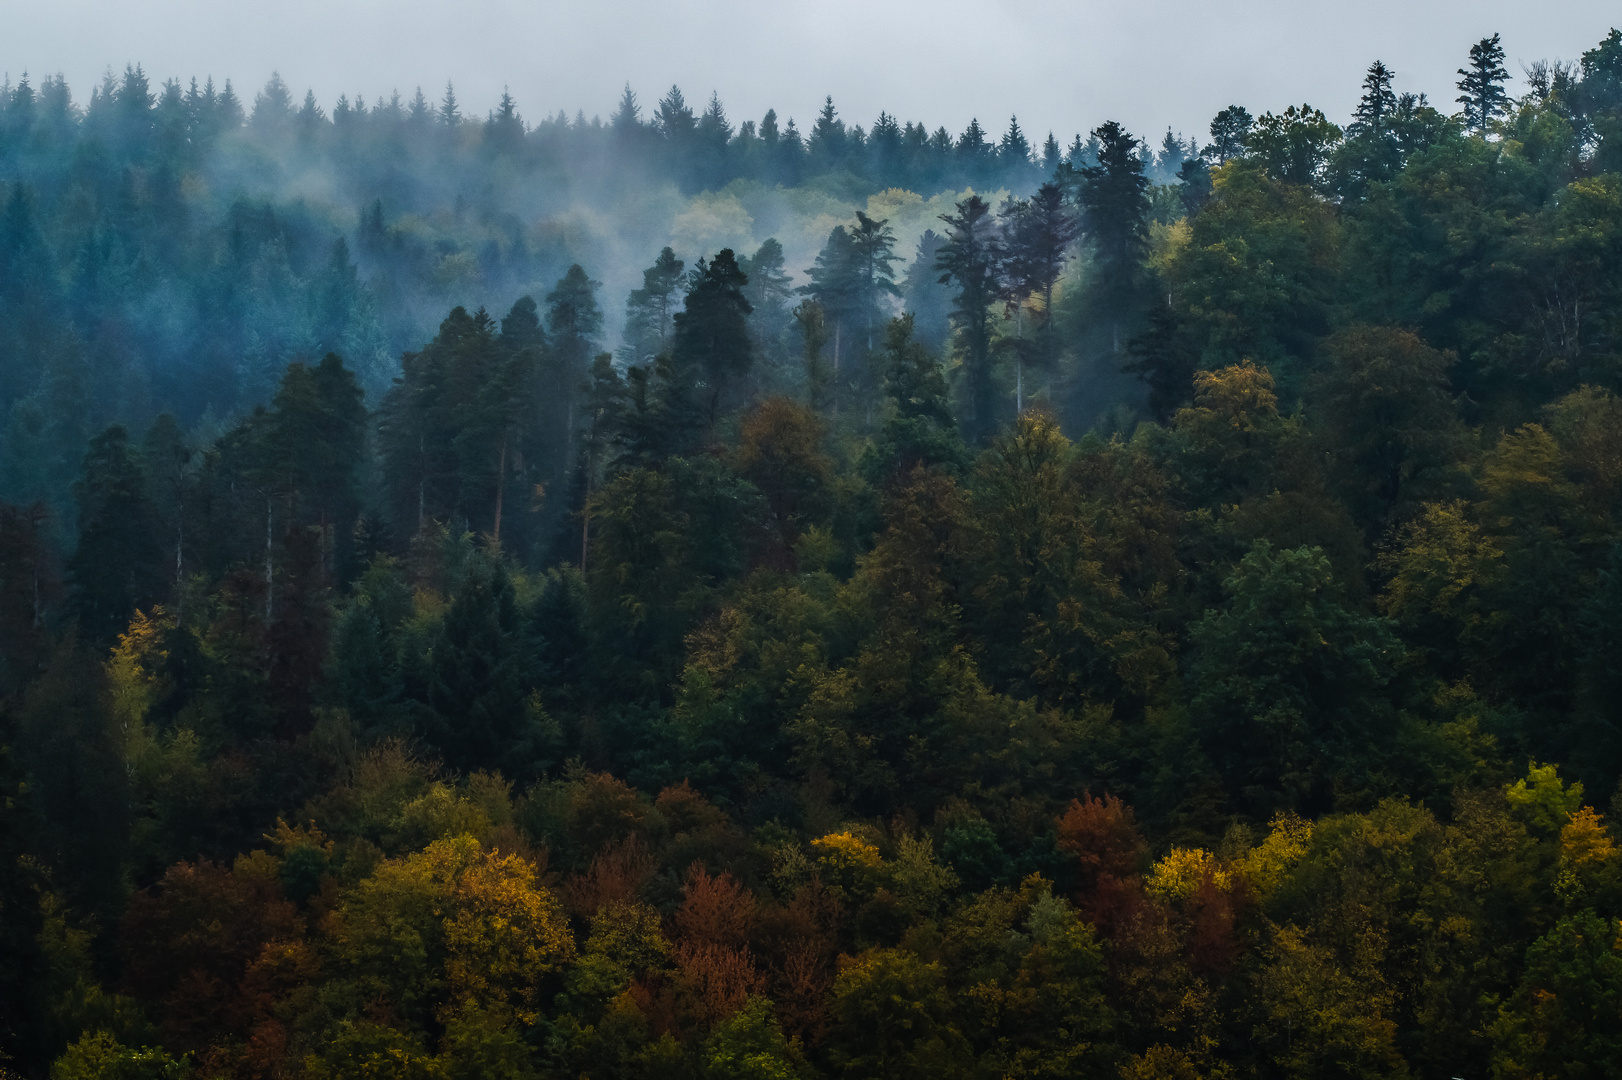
[
  {"x": 627, "y": 118},
  {"x": 1037, "y": 236},
  {"x": 1378, "y": 103},
  {"x": 648, "y": 310},
  {"x": 1051, "y": 155},
  {"x": 1014, "y": 152},
  {"x": 449, "y": 114},
  {"x": 673, "y": 118},
  {"x": 117, "y": 565},
  {"x": 827, "y": 139},
  {"x": 1114, "y": 201},
  {"x": 712, "y": 348},
  {"x": 768, "y": 293},
  {"x": 1482, "y": 85},
  {"x": 970, "y": 258},
  {"x": 1229, "y": 129}
]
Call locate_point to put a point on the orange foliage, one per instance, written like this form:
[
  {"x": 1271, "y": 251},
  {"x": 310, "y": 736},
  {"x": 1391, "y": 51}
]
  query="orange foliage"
[
  {"x": 715, "y": 910},
  {"x": 615, "y": 876},
  {"x": 1102, "y": 834},
  {"x": 192, "y": 940}
]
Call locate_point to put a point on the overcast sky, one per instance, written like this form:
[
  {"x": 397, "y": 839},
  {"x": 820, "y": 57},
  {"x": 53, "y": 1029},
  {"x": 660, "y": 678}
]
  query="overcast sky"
[{"x": 1059, "y": 66}]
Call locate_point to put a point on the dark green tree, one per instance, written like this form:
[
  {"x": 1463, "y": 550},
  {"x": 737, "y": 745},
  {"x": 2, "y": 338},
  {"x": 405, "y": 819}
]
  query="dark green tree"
[
  {"x": 1229, "y": 130},
  {"x": 1114, "y": 201},
  {"x": 970, "y": 258},
  {"x": 1286, "y": 680},
  {"x": 474, "y": 701},
  {"x": 117, "y": 565},
  {"x": 649, "y": 310},
  {"x": 1481, "y": 85},
  {"x": 712, "y": 349}
]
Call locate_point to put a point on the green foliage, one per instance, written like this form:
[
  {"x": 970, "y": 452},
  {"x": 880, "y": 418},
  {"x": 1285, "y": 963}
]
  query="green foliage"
[
  {"x": 937, "y": 705},
  {"x": 99, "y": 1056},
  {"x": 1285, "y": 677}
]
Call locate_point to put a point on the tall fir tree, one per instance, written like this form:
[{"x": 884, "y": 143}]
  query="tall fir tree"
[
  {"x": 1481, "y": 85},
  {"x": 970, "y": 258}
]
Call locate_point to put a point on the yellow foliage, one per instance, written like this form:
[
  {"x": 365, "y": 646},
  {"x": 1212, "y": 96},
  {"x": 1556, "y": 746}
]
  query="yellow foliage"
[
  {"x": 502, "y": 935},
  {"x": 1440, "y": 556},
  {"x": 1542, "y": 800},
  {"x": 1266, "y": 864},
  {"x": 1241, "y": 397},
  {"x": 132, "y": 668},
  {"x": 845, "y": 849},
  {"x": 501, "y": 930},
  {"x": 1584, "y": 841},
  {"x": 1177, "y": 875}
]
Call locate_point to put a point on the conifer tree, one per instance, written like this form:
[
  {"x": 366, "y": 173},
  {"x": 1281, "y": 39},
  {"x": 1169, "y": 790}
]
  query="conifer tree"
[
  {"x": 1481, "y": 85},
  {"x": 712, "y": 348},
  {"x": 1229, "y": 129},
  {"x": 970, "y": 258},
  {"x": 768, "y": 293},
  {"x": 650, "y": 309},
  {"x": 117, "y": 565},
  {"x": 1114, "y": 201},
  {"x": 1037, "y": 236}
]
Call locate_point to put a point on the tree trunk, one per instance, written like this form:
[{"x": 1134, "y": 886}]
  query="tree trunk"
[
  {"x": 501, "y": 485},
  {"x": 269, "y": 572}
]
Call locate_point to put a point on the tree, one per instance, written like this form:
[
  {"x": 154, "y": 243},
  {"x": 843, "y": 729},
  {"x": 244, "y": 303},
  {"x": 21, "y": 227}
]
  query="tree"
[
  {"x": 1286, "y": 677},
  {"x": 627, "y": 118},
  {"x": 476, "y": 705},
  {"x": 1561, "y": 1020},
  {"x": 712, "y": 347},
  {"x": 316, "y": 438},
  {"x": 117, "y": 565},
  {"x": 1164, "y": 357},
  {"x": 1375, "y": 108},
  {"x": 923, "y": 296},
  {"x": 1229, "y": 130},
  {"x": 648, "y": 310},
  {"x": 969, "y": 257},
  {"x": 1387, "y": 416},
  {"x": 1114, "y": 201},
  {"x": 895, "y": 1019},
  {"x": 1038, "y": 232},
  {"x": 1482, "y": 85},
  {"x": 768, "y": 294},
  {"x": 872, "y": 245},
  {"x": 1294, "y": 145},
  {"x": 573, "y": 322}
]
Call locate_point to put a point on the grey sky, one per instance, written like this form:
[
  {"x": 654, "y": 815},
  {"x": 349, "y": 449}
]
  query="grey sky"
[{"x": 1059, "y": 66}]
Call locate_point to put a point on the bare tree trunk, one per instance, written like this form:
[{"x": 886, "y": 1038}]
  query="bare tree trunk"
[
  {"x": 838, "y": 326},
  {"x": 180, "y": 544},
  {"x": 422, "y": 480},
  {"x": 269, "y": 572},
  {"x": 501, "y": 485},
  {"x": 1019, "y": 362}
]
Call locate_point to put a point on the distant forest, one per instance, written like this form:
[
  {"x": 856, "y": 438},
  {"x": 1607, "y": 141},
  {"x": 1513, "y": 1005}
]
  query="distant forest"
[{"x": 673, "y": 599}]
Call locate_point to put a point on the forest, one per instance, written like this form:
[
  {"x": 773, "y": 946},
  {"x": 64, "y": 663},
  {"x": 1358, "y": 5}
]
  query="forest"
[{"x": 670, "y": 598}]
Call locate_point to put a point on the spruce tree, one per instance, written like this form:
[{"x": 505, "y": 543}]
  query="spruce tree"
[
  {"x": 970, "y": 258},
  {"x": 649, "y": 310},
  {"x": 1378, "y": 103},
  {"x": 1481, "y": 85},
  {"x": 1114, "y": 200},
  {"x": 1038, "y": 232},
  {"x": 712, "y": 349},
  {"x": 768, "y": 293},
  {"x": 117, "y": 565}
]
